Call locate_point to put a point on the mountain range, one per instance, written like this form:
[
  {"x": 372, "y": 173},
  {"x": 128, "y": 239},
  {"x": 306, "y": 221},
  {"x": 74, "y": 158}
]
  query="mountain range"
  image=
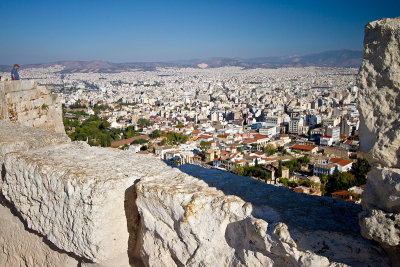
[{"x": 336, "y": 58}]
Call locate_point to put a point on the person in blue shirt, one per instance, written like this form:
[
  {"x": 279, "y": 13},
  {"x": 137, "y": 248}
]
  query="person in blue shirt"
[{"x": 14, "y": 72}]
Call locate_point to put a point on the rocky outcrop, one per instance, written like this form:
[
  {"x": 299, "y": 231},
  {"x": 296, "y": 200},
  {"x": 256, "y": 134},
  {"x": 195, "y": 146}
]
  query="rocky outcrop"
[
  {"x": 114, "y": 208},
  {"x": 19, "y": 247},
  {"x": 204, "y": 217},
  {"x": 74, "y": 195},
  {"x": 379, "y": 105},
  {"x": 16, "y": 137},
  {"x": 379, "y": 101},
  {"x": 27, "y": 103}
]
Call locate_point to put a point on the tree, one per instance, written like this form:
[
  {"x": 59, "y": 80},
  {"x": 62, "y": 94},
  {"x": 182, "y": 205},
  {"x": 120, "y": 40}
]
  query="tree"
[
  {"x": 204, "y": 146},
  {"x": 143, "y": 123},
  {"x": 360, "y": 169},
  {"x": 139, "y": 141},
  {"x": 279, "y": 172},
  {"x": 324, "y": 181},
  {"x": 304, "y": 160},
  {"x": 174, "y": 138},
  {"x": 340, "y": 181},
  {"x": 282, "y": 150},
  {"x": 155, "y": 134},
  {"x": 253, "y": 147},
  {"x": 180, "y": 125},
  {"x": 238, "y": 170},
  {"x": 163, "y": 142},
  {"x": 269, "y": 149},
  {"x": 294, "y": 165}
]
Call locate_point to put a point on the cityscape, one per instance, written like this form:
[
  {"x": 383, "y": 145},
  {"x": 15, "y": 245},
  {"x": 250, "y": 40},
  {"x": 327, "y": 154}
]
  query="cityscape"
[
  {"x": 200, "y": 133},
  {"x": 295, "y": 127}
]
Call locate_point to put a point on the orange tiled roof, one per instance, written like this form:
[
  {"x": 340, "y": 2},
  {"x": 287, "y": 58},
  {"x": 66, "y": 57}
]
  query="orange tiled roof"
[
  {"x": 303, "y": 147},
  {"x": 341, "y": 162}
]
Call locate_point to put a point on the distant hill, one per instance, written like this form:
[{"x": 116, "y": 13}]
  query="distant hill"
[{"x": 337, "y": 58}]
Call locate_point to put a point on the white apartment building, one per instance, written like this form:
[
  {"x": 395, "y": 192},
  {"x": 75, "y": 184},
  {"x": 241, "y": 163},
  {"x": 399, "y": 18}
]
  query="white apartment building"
[
  {"x": 269, "y": 131},
  {"x": 295, "y": 125},
  {"x": 334, "y": 132}
]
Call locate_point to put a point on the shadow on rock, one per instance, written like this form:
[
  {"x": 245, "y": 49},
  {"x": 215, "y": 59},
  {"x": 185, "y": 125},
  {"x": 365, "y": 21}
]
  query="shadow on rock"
[
  {"x": 304, "y": 215},
  {"x": 133, "y": 224}
]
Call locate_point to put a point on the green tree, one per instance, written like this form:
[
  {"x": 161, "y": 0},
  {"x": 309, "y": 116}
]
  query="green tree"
[
  {"x": 143, "y": 123},
  {"x": 155, "y": 134},
  {"x": 139, "y": 141},
  {"x": 163, "y": 142},
  {"x": 305, "y": 160},
  {"x": 269, "y": 149},
  {"x": 287, "y": 182},
  {"x": 324, "y": 180},
  {"x": 204, "y": 146},
  {"x": 294, "y": 165},
  {"x": 174, "y": 138},
  {"x": 279, "y": 172},
  {"x": 360, "y": 169},
  {"x": 340, "y": 181},
  {"x": 282, "y": 150},
  {"x": 238, "y": 170}
]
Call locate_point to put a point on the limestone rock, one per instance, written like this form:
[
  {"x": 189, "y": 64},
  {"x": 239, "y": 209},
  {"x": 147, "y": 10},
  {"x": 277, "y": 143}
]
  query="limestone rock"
[
  {"x": 19, "y": 247},
  {"x": 27, "y": 103},
  {"x": 16, "y": 137},
  {"x": 379, "y": 100},
  {"x": 382, "y": 190},
  {"x": 74, "y": 195},
  {"x": 221, "y": 219},
  {"x": 381, "y": 226}
]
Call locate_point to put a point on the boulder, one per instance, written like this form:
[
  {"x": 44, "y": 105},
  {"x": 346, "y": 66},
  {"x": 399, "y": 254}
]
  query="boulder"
[
  {"x": 74, "y": 195},
  {"x": 379, "y": 100},
  {"x": 203, "y": 217}
]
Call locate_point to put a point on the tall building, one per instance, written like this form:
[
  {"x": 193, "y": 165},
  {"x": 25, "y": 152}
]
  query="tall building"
[
  {"x": 295, "y": 125},
  {"x": 334, "y": 132}
]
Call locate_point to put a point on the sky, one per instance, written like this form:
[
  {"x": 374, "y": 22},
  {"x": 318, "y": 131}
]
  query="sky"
[{"x": 149, "y": 31}]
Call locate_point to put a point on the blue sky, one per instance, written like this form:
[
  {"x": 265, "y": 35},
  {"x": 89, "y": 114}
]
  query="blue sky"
[{"x": 132, "y": 31}]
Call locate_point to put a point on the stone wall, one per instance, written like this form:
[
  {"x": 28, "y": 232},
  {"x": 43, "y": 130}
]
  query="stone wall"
[
  {"x": 379, "y": 104},
  {"x": 27, "y": 103}
]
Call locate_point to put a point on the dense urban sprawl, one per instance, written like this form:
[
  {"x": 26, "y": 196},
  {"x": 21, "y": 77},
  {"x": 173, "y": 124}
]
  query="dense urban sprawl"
[{"x": 296, "y": 127}]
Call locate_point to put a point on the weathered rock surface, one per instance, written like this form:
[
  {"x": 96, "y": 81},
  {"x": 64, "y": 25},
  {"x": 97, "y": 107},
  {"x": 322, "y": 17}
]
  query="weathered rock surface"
[
  {"x": 27, "y": 103},
  {"x": 382, "y": 190},
  {"x": 16, "y": 137},
  {"x": 379, "y": 105},
  {"x": 19, "y": 247},
  {"x": 379, "y": 101},
  {"x": 74, "y": 195},
  {"x": 221, "y": 219},
  {"x": 381, "y": 226}
]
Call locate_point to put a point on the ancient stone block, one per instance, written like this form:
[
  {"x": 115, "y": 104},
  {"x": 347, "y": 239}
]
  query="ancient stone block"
[{"x": 74, "y": 195}]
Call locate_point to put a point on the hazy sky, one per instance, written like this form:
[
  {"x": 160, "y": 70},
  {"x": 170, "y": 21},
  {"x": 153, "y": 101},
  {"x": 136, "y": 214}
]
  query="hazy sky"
[{"x": 129, "y": 31}]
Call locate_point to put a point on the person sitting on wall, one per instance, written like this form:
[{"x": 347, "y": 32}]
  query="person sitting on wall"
[{"x": 14, "y": 72}]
